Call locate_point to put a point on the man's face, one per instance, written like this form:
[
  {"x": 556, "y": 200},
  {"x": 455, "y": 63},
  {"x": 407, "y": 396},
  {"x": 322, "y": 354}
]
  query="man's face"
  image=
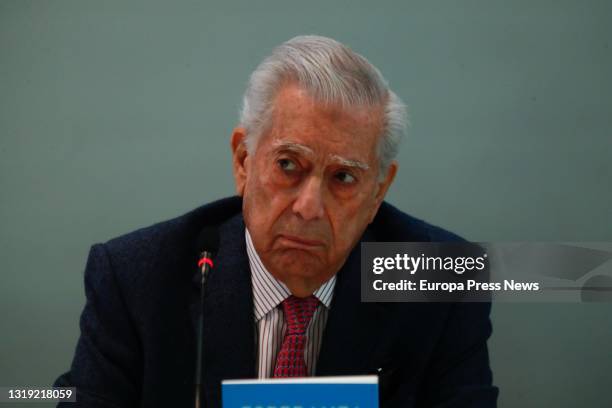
[{"x": 311, "y": 187}]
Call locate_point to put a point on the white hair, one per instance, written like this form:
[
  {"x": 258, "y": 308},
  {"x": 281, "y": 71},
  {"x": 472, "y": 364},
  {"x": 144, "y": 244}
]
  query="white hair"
[{"x": 331, "y": 73}]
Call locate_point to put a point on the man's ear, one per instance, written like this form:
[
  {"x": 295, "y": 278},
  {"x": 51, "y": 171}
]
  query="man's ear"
[
  {"x": 239, "y": 159},
  {"x": 383, "y": 186}
]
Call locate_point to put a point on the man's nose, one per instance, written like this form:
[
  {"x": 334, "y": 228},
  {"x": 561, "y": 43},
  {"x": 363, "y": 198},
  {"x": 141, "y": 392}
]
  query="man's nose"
[{"x": 309, "y": 202}]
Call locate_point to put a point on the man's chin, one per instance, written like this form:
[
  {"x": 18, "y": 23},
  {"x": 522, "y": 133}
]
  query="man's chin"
[
  {"x": 298, "y": 262},
  {"x": 297, "y": 265}
]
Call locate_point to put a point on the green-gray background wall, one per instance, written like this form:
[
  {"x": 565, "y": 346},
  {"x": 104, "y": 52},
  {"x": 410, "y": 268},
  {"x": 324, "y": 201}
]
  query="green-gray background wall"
[{"x": 117, "y": 114}]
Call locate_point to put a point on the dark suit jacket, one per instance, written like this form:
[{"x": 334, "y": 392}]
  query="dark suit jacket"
[{"x": 138, "y": 344}]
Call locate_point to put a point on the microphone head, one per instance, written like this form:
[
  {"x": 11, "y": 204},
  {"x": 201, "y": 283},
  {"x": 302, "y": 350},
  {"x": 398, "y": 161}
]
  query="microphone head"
[{"x": 208, "y": 240}]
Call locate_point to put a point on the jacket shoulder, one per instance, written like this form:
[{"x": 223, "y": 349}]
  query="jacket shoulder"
[
  {"x": 145, "y": 254},
  {"x": 393, "y": 225},
  {"x": 176, "y": 232}
]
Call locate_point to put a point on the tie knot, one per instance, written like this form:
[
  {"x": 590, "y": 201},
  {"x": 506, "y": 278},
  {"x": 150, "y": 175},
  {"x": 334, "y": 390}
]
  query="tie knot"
[{"x": 298, "y": 312}]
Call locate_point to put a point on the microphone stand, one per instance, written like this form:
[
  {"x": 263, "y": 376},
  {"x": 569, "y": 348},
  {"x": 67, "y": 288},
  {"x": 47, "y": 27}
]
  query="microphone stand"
[{"x": 205, "y": 264}]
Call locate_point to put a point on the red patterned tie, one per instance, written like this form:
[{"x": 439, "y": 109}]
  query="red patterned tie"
[{"x": 290, "y": 359}]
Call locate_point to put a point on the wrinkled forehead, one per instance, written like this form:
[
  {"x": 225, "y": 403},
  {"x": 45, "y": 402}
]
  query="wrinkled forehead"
[
  {"x": 293, "y": 100},
  {"x": 301, "y": 124}
]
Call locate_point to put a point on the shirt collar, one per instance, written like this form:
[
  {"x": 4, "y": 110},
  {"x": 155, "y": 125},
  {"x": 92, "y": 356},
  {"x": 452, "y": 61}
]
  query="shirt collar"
[{"x": 268, "y": 292}]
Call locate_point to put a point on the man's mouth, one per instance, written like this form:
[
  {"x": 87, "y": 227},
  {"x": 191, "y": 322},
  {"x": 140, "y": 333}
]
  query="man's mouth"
[{"x": 299, "y": 242}]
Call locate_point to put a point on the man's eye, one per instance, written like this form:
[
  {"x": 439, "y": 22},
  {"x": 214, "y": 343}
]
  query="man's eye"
[
  {"x": 287, "y": 165},
  {"x": 344, "y": 177}
]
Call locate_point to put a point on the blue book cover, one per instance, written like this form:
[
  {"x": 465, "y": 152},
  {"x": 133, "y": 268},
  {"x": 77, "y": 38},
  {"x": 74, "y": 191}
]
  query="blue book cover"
[{"x": 308, "y": 392}]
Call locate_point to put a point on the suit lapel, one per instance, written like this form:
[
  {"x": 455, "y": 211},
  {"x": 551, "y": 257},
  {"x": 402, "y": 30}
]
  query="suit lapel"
[
  {"x": 353, "y": 327},
  {"x": 229, "y": 328}
]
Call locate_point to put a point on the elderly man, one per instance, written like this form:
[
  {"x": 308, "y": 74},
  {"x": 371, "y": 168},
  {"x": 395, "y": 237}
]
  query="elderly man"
[{"x": 313, "y": 157}]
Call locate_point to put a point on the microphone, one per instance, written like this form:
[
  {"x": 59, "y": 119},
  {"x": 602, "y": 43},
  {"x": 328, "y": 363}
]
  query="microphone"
[{"x": 207, "y": 246}]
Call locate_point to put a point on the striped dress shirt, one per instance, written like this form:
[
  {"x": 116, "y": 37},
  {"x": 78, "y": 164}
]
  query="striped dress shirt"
[{"x": 268, "y": 294}]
